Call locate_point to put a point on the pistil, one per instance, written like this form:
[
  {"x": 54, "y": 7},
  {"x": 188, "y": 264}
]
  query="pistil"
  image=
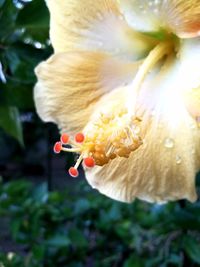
[{"x": 159, "y": 52}]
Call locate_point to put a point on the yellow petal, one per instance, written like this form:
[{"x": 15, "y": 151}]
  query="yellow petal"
[
  {"x": 70, "y": 84},
  {"x": 192, "y": 99},
  {"x": 95, "y": 26},
  {"x": 183, "y": 17},
  {"x": 162, "y": 169}
]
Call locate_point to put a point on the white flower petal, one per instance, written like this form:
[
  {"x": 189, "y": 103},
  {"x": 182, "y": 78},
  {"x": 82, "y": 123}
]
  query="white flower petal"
[
  {"x": 178, "y": 16},
  {"x": 142, "y": 15},
  {"x": 164, "y": 167},
  {"x": 95, "y": 26}
]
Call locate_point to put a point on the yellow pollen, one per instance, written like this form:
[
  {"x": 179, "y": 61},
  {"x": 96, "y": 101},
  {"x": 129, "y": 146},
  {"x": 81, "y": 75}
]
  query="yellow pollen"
[{"x": 111, "y": 136}]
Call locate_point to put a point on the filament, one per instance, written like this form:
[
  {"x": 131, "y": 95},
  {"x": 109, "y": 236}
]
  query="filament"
[{"x": 156, "y": 54}]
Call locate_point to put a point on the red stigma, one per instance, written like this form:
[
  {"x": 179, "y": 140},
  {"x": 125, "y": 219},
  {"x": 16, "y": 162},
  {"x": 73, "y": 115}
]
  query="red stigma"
[
  {"x": 64, "y": 138},
  {"x": 73, "y": 172},
  {"x": 89, "y": 162},
  {"x": 79, "y": 137},
  {"x": 57, "y": 147}
]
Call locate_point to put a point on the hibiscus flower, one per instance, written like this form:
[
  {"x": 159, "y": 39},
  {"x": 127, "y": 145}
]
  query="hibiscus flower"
[{"x": 127, "y": 75}]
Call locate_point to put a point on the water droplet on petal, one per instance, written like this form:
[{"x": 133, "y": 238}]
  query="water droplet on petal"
[
  {"x": 178, "y": 159},
  {"x": 169, "y": 143},
  {"x": 99, "y": 16},
  {"x": 117, "y": 50},
  {"x": 121, "y": 17},
  {"x": 198, "y": 121},
  {"x": 192, "y": 126},
  {"x": 100, "y": 43},
  {"x": 137, "y": 130}
]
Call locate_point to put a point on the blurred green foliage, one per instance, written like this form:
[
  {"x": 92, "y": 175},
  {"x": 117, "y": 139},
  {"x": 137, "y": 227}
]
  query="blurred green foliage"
[
  {"x": 79, "y": 228},
  {"x": 87, "y": 229},
  {"x": 23, "y": 44}
]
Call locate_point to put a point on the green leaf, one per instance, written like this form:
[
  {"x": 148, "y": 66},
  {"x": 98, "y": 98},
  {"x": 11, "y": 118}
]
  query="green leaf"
[
  {"x": 58, "y": 241},
  {"x": 192, "y": 248},
  {"x": 35, "y": 18},
  {"x": 185, "y": 219},
  {"x": 20, "y": 96},
  {"x": 10, "y": 122},
  {"x": 40, "y": 193},
  {"x": 15, "y": 226},
  {"x": 38, "y": 252},
  {"x": 77, "y": 238},
  {"x": 34, "y": 14},
  {"x": 133, "y": 260},
  {"x": 175, "y": 259},
  {"x": 1, "y": 2},
  {"x": 81, "y": 206},
  {"x": 8, "y": 15}
]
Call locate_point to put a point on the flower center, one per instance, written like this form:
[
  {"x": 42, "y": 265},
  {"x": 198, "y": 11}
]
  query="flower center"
[
  {"x": 109, "y": 137},
  {"x": 112, "y": 136},
  {"x": 118, "y": 133}
]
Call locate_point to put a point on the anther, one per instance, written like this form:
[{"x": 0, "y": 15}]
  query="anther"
[
  {"x": 79, "y": 137},
  {"x": 57, "y": 147},
  {"x": 64, "y": 138},
  {"x": 89, "y": 162},
  {"x": 73, "y": 172}
]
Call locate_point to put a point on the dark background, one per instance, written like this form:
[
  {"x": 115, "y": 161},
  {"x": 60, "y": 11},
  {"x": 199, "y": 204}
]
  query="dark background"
[{"x": 49, "y": 219}]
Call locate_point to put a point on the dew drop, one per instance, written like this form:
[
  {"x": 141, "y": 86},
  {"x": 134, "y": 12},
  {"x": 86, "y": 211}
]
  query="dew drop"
[
  {"x": 192, "y": 126},
  {"x": 178, "y": 159},
  {"x": 117, "y": 51},
  {"x": 100, "y": 16},
  {"x": 198, "y": 121},
  {"x": 156, "y": 2},
  {"x": 153, "y": 113},
  {"x": 169, "y": 143},
  {"x": 100, "y": 44},
  {"x": 137, "y": 130},
  {"x": 121, "y": 17}
]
